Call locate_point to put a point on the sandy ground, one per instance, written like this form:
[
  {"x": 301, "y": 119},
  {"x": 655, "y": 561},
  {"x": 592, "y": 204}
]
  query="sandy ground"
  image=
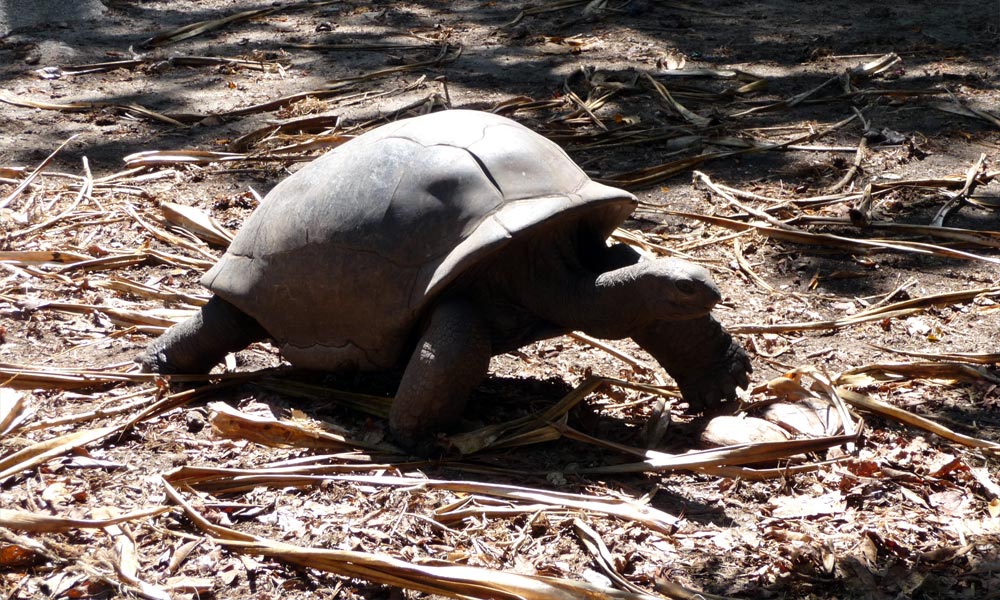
[{"x": 901, "y": 513}]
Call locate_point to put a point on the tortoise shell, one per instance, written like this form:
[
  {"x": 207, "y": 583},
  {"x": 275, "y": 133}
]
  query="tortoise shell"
[{"x": 341, "y": 259}]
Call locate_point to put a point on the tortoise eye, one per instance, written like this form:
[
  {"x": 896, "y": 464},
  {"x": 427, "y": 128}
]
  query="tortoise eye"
[{"x": 686, "y": 287}]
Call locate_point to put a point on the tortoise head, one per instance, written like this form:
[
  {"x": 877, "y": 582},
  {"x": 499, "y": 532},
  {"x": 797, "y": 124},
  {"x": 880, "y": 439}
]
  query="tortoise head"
[
  {"x": 665, "y": 289},
  {"x": 674, "y": 289}
]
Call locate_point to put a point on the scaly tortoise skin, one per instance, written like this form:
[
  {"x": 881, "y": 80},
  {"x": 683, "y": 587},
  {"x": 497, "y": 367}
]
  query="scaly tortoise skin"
[{"x": 433, "y": 243}]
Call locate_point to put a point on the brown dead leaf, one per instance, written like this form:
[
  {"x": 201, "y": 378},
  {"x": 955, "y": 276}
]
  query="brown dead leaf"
[
  {"x": 789, "y": 387},
  {"x": 185, "y": 584},
  {"x": 231, "y": 423},
  {"x": 13, "y": 556},
  {"x": 442, "y": 578},
  {"x": 127, "y": 558},
  {"x": 800, "y": 418}
]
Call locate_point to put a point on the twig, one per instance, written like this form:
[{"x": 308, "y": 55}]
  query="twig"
[
  {"x": 699, "y": 176},
  {"x": 960, "y": 197},
  {"x": 891, "y": 294},
  {"x": 24, "y": 184},
  {"x": 855, "y": 167},
  {"x": 861, "y": 71},
  {"x": 980, "y": 358},
  {"x": 85, "y": 190},
  {"x": 636, "y": 364},
  {"x": 657, "y": 173},
  {"x": 443, "y": 56},
  {"x": 691, "y": 117},
  {"x": 897, "y": 309},
  {"x": 745, "y": 267},
  {"x": 989, "y": 239},
  {"x": 860, "y": 213},
  {"x": 837, "y": 241}
]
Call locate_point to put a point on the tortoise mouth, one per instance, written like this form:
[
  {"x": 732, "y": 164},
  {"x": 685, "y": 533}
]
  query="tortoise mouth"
[{"x": 687, "y": 313}]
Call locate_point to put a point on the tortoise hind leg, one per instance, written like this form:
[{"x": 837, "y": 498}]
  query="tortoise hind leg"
[
  {"x": 450, "y": 360},
  {"x": 201, "y": 342}
]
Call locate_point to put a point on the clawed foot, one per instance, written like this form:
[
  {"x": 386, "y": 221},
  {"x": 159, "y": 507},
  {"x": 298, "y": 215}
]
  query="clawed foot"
[
  {"x": 199, "y": 343},
  {"x": 154, "y": 360},
  {"x": 707, "y": 363},
  {"x": 417, "y": 444},
  {"x": 709, "y": 387}
]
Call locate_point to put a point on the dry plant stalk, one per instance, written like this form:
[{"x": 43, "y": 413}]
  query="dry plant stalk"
[
  {"x": 884, "y": 409},
  {"x": 607, "y": 563},
  {"x": 26, "y": 377},
  {"x": 896, "y": 309},
  {"x": 978, "y": 358},
  {"x": 34, "y": 174},
  {"x": 231, "y": 423},
  {"x": 230, "y": 480},
  {"x": 34, "y": 522},
  {"x": 709, "y": 461},
  {"x": 540, "y": 427},
  {"x": 446, "y": 579},
  {"x": 41, "y": 452},
  {"x": 13, "y": 409},
  {"x": 198, "y": 28}
]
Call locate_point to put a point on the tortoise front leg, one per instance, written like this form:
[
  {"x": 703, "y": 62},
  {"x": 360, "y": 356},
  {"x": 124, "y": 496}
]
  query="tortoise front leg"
[
  {"x": 450, "y": 360},
  {"x": 201, "y": 342},
  {"x": 701, "y": 356}
]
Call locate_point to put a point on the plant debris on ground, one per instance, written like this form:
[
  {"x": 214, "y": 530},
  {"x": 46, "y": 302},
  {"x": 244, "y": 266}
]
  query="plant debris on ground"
[{"x": 834, "y": 165}]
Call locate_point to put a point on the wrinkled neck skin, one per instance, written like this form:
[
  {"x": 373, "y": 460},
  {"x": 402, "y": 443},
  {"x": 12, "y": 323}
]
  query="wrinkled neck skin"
[
  {"x": 553, "y": 284},
  {"x": 608, "y": 305}
]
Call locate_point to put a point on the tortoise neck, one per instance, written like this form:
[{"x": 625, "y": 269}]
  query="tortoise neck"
[{"x": 608, "y": 305}]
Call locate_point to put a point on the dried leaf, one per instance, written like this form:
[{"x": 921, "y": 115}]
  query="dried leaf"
[
  {"x": 447, "y": 579},
  {"x": 40, "y": 257},
  {"x": 884, "y": 409},
  {"x": 800, "y": 507},
  {"x": 15, "y": 557},
  {"x": 185, "y": 584},
  {"x": 711, "y": 461},
  {"x": 942, "y": 371},
  {"x": 232, "y": 423},
  {"x": 150, "y": 158},
  {"x": 195, "y": 29},
  {"x": 44, "y": 523},
  {"x": 835, "y": 241},
  {"x": 797, "y": 419},
  {"x": 197, "y": 222},
  {"x": 897, "y": 309},
  {"x": 729, "y": 431},
  {"x": 13, "y": 409},
  {"x": 34, "y": 174},
  {"x": 41, "y": 452}
]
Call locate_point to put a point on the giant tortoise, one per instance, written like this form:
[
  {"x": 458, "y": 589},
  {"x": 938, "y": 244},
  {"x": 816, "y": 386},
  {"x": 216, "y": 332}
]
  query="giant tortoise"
[{"x": 431, "y": 244}]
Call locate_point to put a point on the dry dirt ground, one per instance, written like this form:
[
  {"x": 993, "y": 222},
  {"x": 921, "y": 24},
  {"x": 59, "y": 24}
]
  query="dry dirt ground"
[{"x": 769, "y": 102}]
